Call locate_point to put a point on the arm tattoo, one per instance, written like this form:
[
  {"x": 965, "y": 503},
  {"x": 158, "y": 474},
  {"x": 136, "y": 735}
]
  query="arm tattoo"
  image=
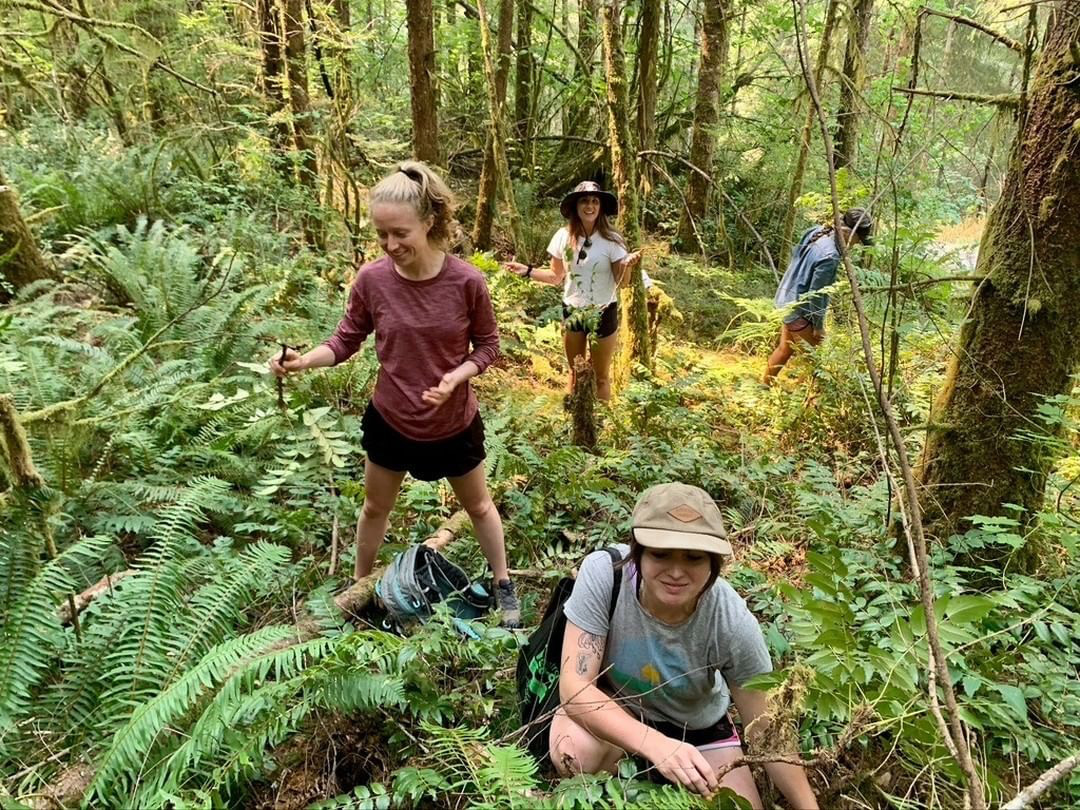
[
  {"x": 592, "y": 646},
  {"x": 582, "y": 664}
]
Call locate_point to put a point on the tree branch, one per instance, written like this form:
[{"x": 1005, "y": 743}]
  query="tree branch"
[
  {"x": 1009, "y": 101},
  {"x": 1007, "y": 41},
  {"x": 66, "y": 613},
  {"x": 91, "y": 25},
  {"x": 1043, "y": 783}
]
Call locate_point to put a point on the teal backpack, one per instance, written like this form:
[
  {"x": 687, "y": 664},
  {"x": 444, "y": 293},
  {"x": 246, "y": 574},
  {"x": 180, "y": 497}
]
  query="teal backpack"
[{"x": 419, "y": 578}]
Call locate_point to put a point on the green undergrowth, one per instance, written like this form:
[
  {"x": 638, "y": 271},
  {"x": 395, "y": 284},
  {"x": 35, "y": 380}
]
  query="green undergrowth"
[{"x": 184, "y": 684}]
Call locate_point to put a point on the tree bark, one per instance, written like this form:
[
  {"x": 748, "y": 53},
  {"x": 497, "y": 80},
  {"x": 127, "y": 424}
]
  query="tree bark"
[
  {"x": 846, "y": 139},
  {"x": 20, "y": 260},
  {"x": 1019, "y": 343},
  {"x": 714, "y": 45},
  {"x": 579, "y": 119},
  {"x": 523, "y": 80},
  {"x": 648, "y": 45},
  {"x": 485, "y": 202},
  {"x": 500, "y": 173},
  {"x": 624, "y": 172},
  {"x": 425, "y": 105},
  {"x": 807, "y": 131},
  {"x": 306, "y": 160},
  {"x": 270, "y": 40}
]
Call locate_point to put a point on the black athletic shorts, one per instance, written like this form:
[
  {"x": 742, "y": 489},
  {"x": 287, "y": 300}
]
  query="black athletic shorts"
[
  {"x": 609, "y": 320},
  {"x": 426, "y": 461}
]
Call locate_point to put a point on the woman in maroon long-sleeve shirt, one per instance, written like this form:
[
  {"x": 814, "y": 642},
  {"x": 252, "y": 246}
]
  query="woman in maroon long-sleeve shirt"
[{"x": 434, "y": 330}]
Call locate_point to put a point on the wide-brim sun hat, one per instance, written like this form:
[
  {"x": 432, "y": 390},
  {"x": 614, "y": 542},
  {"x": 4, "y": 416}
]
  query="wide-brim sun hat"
[
  {"x": 609, "y": 204},
  {"x": 679, "y": 516}
]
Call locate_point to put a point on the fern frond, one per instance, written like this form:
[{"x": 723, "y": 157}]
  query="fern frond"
[
  {"x": 509, "y": 771},
  {"x": 123, "y": 760},
  {"x": 31, "y": 632}
]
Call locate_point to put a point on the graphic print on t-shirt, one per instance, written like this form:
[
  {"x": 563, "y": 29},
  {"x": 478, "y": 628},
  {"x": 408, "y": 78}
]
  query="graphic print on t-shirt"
[{"x": 639, "y": 666}]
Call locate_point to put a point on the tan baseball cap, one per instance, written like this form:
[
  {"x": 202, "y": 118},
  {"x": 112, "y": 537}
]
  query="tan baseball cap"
[{"x": 679, "y": 516}]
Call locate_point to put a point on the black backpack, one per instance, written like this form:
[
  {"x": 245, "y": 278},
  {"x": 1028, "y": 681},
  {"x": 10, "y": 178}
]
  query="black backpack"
[{"x": 540, "y": 660}]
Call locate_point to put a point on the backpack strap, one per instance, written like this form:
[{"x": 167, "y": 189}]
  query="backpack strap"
[{"x": 616, "y": 580}]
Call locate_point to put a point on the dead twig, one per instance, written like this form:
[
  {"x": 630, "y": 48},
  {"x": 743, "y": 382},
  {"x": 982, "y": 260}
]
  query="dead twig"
[{"x": 1043, "y": 783}]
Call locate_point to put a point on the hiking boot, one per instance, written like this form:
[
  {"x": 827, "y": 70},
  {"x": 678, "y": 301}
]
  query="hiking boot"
[{"x": 506, "y": 602}]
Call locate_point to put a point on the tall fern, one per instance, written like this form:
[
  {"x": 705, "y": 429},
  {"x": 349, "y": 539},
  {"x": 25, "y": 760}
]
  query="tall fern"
[{"x": 31, "y": 635}]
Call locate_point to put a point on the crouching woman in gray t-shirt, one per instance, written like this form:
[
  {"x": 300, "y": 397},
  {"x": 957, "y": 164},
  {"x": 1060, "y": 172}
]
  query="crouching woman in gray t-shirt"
[{"x": 658, "y": 678}]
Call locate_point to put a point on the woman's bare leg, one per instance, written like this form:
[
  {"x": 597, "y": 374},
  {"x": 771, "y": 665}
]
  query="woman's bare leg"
[
  {"x": 472, "y": 493},
  {"x": 575, "y": 344},
  {"x": 380, "y": 492},
  {"x": 741, "y": 780},
  {"x": 603, "y": 353},
  {"x": 575, "y": 750}
]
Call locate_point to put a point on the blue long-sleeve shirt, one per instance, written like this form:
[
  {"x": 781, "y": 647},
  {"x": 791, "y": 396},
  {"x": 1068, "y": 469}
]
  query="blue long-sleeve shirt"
[{"x": 812, "y": 268}]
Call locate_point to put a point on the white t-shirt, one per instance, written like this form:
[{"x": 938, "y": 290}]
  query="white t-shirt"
[{"x": 589, "y": 282}]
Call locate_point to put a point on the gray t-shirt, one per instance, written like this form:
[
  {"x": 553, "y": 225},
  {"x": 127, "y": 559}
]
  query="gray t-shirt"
[{"x": 668, "y": 673}]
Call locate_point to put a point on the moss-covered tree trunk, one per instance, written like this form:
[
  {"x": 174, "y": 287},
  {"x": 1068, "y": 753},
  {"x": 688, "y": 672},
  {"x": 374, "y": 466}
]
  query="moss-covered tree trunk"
[
  {"x": 1020, "y": 343},
  {"x": 648, "y": 46},
  {"x": 624, "y": 172},
  {"x": 845, "y": 141},
  {"x": 500, "y": 173},
  {"x": 714, "y": 45},
  {"x": 578, "y": 118},
  {"x": 425, "y": 105},
  {"x": 306, "y": 160},
  {"x": 20, "y": 260},
  {"x": 523, "y": 79},
  {"x": 485, "y": 201}
]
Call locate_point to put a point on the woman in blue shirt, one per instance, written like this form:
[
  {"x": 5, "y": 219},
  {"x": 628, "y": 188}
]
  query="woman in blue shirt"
[{"x": 813, "y": 268}]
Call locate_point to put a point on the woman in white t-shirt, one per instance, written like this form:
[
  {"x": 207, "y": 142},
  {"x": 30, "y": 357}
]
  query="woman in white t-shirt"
[{"x": 589, "y": 258}]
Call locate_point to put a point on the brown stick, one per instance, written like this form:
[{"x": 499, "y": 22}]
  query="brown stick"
[
  {"x": 1009, "y": 101},
  {"x": 334, "y": 546},
  {"x": 909, "y": 492},
  {"x": 1043, "y": 783},
  {"x": 66, "y": 613},
  {"x": 1007, "y": 41}
]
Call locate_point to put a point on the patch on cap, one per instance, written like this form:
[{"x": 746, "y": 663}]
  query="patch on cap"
[{"x": 685, "y": 513}]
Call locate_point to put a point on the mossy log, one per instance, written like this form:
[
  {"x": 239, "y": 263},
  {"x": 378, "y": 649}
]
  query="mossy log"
[{"x": 20, "y": 260}]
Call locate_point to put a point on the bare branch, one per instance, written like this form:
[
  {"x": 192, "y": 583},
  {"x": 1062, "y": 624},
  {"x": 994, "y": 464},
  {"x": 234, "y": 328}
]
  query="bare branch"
[
  {"x": 67, "y": 612},
  {"x": 1043, "y": 783},
  {"x": 1009, "y": 101},
  {"x": 1007, "y": 41}
]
